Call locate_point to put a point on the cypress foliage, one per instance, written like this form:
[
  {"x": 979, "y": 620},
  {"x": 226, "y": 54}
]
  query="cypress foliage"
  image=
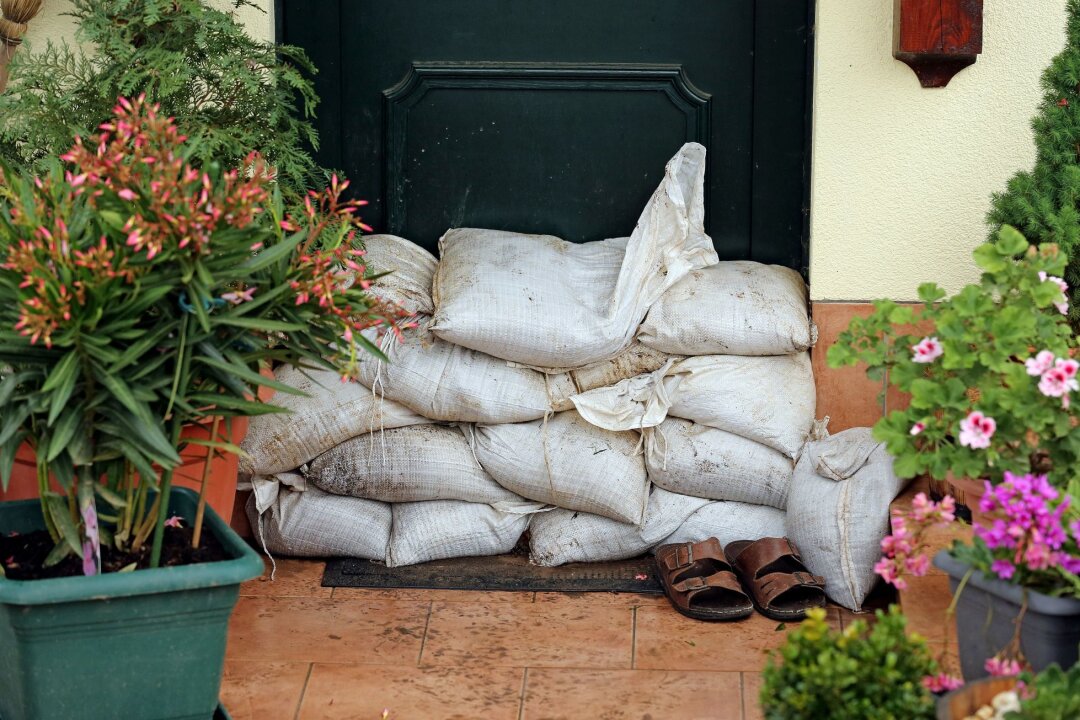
[
  {"x": 228, "y": 92},
  {"x": 1044, "y": 204}
]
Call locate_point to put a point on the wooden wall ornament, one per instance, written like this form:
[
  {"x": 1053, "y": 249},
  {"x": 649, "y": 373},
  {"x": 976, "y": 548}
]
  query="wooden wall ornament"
[{"x": 937, "y": 38}]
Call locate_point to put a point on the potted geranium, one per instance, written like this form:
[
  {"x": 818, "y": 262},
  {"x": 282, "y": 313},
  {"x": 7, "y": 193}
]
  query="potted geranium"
[
  {"x": 141, "y": 293},
  {"x": 990, "y": 376}
]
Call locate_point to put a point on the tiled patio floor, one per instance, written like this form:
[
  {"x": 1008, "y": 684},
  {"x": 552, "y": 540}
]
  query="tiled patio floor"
[{"x": 298, "y": 650}]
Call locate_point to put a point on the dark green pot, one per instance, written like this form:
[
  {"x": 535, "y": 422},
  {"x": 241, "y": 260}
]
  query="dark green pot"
[{"x": 144, "y": 645}]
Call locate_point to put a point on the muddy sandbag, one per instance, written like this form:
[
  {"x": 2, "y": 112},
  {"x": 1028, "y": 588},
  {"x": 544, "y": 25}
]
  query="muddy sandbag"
[
  {"x": 838, "y": 524},
  {"x": 409, "y": 464},
  {"x": 699, "y": 460},
  {"x": 564, "y": 536},
  {"x": 289, "y": 517},
  {"x": 728, "y": 522},
  {"x": 426, "y": 531},
  {"x": 410, "y": 267},
  {"x": 567, "y": 462},
  {"x": 635, "y": 360},
  {"x": 732, "y": 308},
  {"x": 450, "y": 383},
  {"x": 330, "y": 413},
  {"x": 545, "y": 302}
]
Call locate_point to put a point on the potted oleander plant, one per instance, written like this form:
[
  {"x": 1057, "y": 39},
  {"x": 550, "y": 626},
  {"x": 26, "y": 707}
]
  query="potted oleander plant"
[
  {"x": 141, "y": 292},
  {"x": 990, "y": 372}
]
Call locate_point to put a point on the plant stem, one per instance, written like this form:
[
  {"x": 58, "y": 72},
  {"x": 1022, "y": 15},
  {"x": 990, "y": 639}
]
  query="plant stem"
[
  {"x": 88, "y": 511},
  {"x": 43, "y": 490},
  {"x": 197, "y": 527}
]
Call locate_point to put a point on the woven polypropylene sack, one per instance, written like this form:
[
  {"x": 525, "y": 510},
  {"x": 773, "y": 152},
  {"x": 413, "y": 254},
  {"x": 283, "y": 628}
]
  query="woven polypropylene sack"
[
  {"x": 699, "y": 460},
  {"x": 728, "y": 522},
  {"x": 544, "y": 302},
  {"x": 409, "y": 464},
  {"x": 312, "y": 523},
  {"x": 329, "y": 413},
  {"x": 564, "y": 536},
  {"x": 771, "y": 400},
  {"x": 410, "y": 270},
  {"x": 426, "y": 531},
  {"x": 838, "y": 525},
  {"x": 450, "y": 383},
  {"x": 732, "y": 308},
  {"x": 567, "y": 462}
]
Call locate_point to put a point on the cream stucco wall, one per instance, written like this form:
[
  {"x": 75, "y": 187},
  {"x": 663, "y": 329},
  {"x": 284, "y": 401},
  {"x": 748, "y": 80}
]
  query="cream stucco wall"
[
  {"x": 53, "y": 24},
  {"x": 902, "y": 175}
]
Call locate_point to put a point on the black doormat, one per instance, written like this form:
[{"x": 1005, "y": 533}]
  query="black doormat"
[{"x": 502, "y": 572}]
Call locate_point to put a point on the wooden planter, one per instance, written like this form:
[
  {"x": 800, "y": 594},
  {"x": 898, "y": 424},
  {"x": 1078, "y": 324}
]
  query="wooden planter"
[
  {"x": 966, "y": 701},
  {"x": 221, "y": 487}
]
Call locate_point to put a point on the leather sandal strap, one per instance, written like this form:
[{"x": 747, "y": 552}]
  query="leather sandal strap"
[
  {"x": 756, "y": 559},
  {"x": 686, "y": 554},
  {"x": 769, "y": 588},
  {"x": 724, "y": 580}
]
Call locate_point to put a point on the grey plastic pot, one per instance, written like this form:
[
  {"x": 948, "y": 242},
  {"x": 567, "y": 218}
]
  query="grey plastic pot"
[{"x": 984, "y": 621}]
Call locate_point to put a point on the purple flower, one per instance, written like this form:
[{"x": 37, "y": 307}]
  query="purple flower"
[{"x": 1003, "y": 568}]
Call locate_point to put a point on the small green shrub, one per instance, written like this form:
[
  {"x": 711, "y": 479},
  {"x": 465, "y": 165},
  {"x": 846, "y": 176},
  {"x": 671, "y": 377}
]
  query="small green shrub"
[
  {"x": 229, "y": 93},
  {"x": 1056, "y": 695},
  {"x": 861, "y": 673}
]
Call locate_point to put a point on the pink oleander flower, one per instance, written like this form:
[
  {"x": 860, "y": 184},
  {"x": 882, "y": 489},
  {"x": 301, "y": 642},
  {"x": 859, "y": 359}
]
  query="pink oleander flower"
[
  {"x": 904, "y": 550},
  {"x": 239, "y": 296},
  {"x": 1063, "y": 307},
  {"x": 917, "y": 428},
  {"x": 976, "y": 430},
  {"x": 927, "y": 350},
  {"x": 890, "y": 573},
  {"x": 1000, "y": 667},
  {"x": 1039, "y": 364},
  {"x": 175, "y": 522},
  {"x": 942, "y": 682}
]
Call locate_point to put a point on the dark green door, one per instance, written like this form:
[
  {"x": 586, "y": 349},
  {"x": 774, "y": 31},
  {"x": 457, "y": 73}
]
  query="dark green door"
[{"x": 557, "y": 116}]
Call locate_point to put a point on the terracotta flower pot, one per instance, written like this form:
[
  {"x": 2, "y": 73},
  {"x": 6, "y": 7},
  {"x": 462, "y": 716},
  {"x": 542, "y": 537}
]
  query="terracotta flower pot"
[
  {"x": 966, "y": 701},
  {"x": 966, "y": 491}
]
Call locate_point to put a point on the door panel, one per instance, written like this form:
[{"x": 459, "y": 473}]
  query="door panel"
[{"x": 557, "y": 117}]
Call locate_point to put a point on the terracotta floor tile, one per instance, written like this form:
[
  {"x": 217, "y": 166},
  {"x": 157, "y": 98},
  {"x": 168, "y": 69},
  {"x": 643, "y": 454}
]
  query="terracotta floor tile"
[
  {"x": 326, "y": 630},
  {"x": 414, "y": 595},
  {"x": 263, "y": 691},
  {"x": 569, "y": 694},
  {"x": 602, "y": 599},
  {"x": 924, "y": 603},
  {"x": 362, "y": 692},
  {"x": 529, "y": 635},
  {"x": 751, "y": 693},
  {"x": 293, "y": 578},
  {"x": 665, "y": 640}
]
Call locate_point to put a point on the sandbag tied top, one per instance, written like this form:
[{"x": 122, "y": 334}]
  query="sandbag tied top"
[
  {"x": 569, "y": 463},
  {"x": 450, "y": 383},
  {"x": 410, "y": 464},
  {"x": 547, "y": 303},
  {"x": 411, "y": 269},
  {"x": 330, "y": 412},
  {"x": 838, "y": 524},
  {"x": 732, "y": 308}
]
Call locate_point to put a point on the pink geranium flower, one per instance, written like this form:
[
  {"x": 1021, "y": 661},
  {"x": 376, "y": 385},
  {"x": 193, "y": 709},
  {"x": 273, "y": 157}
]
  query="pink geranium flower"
[
  {"x": 1056, "y": 381},
  {"x": 927, "y": 351},
  {"x": 918, "y": 428},
  {"x": 1039, "y": 364},
  {"x": 976, "y": 430},
  {"x": 942, "y": 682},
  {"x": 1063, "y": 307},
  {"x": 999, "y": 667}
]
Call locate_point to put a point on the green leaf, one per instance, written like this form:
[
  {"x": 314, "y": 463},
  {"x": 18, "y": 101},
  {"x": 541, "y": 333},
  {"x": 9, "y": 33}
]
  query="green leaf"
[
  {"x": 58, "y": 510},
  {"x": 110, "y": 496},
  {"x": 63, "y": 432},
  {"x": 1010, "y": 241},
  {"x": 989, "y": 258},
  {"x": 67, "y": 367},
  {"x": 930, "y": 293},
  {"x": 122, "y": 393},
  {"x": 273, "y": 254},
  {"x": 248, "y": 375},
  {"x": 261, "y": 324},
  {"x": 60, "y": 551}
]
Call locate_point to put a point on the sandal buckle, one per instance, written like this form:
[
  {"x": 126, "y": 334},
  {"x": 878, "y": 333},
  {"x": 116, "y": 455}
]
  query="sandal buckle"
[{"x": 688, "y": 551}]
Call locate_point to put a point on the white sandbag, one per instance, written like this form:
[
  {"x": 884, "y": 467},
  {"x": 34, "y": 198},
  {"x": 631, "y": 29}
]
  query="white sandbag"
[
  {"x": 732, "y": 308},
  {"x": 426, "y": 531},
  {"x": 291, "y": 519},
  {"x": 331, "y": 412},
  {"x": 410, "y": 267},
  {"x": 567, "y": 462},
  {"x": 631, "y": 362},
  {"x": 545, "y": 302},
  {"x": 563, "y": 536},
  {"x": 698, "y": 460},
  {"x": 770, "y": 400},
  {"x": 410, "y": 464},
  {"x": 728, "y": 522},
  {"x": 447, "y": 382},
  {"x": 838, "y": 526}
]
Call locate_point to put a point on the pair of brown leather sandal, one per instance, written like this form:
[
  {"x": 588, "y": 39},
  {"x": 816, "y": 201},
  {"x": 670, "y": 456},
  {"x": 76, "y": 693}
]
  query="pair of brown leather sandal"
[{"x": 706, "y": 581}]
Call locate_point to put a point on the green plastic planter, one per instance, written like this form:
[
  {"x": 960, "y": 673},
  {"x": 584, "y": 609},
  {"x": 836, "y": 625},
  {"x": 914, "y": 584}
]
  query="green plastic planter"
[{"x": 144, "y": 645}]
